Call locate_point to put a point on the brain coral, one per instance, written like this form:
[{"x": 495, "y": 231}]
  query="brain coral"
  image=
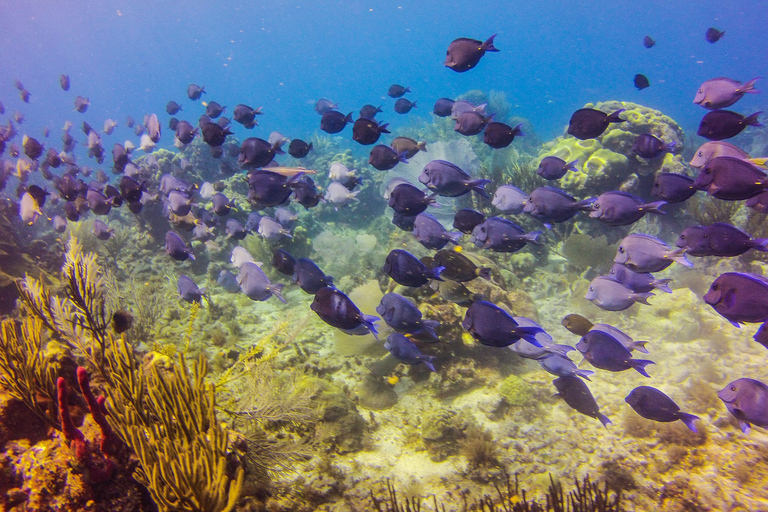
[{"x": 608, "y": 162}]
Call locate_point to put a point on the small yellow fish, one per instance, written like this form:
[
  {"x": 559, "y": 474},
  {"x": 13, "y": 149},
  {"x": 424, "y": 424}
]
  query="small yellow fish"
[
  {"x": 458, "y": 248},
  {"x": 289, "y": 171},
  {"x": 392, "y": 380}
]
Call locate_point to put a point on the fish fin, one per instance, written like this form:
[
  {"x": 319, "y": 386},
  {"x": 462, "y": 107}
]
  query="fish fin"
[
  {"x": 678, "y": 255},
  {"x": 642, "y": 297},
  {"x": 435, "y": 273},
  {"x": 529, "y": 334},
  {"x": 663, "y": 284},
  {"x": 454, "y": 237},
  {"x": 759, "y": 161},
  {"x": 548, "y": 225},
  {"x": 584, "y": 374},
  {"x": 403, "y": 157},
  {"x": 422, "y": 146},
  {"x": 614, "y": 116},
  {"x": 585, "y": 205},
  {"x": 640, "y": 346},
  {"x": 744, "y": 425},
  {"x": 191, "y": 256},
  {"x": 276, "y": 290},
  {"x": 760, "y": 244},
  {"x": 604, "y": 420},
  {"x": 560, "y": 350},
  {"x": 654, "y": 207},
  {"x": 427, "y": 360},
  {"x": 370, "y": 322},
  {"x": 428, "y": 327},
  {"x": 688, "y": 419},
  {"x": 532, "y": 237},
  {"x": 485, "y": 273},
  {"x": 639, "y": 365},
  {"x": 571, "y": 166},
  {"x": 752, "y": 120},
  {"x": 383, "y": 128},
  {"x": 488, "y": 45},
  {"x": 749, "y": 87},
  {"x": 348, "y": 118},
  {"x": 479, "y": 187},
  {"x": 758, "y": 337}
]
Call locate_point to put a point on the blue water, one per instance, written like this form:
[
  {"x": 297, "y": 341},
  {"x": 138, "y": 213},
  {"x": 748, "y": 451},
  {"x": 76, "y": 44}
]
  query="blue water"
[{"x": 130, "y": 58}]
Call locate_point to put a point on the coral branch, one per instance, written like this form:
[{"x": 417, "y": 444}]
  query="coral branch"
[
  {"x": 109, "y": 442},
  {"x": 71, "y": 433}
]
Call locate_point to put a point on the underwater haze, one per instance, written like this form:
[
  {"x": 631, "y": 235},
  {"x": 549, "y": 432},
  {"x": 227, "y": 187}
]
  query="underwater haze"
[{"x": 544, "y": 259}]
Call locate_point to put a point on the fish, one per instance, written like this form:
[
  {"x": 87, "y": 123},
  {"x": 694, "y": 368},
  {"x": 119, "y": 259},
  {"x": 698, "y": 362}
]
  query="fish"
[
  {"x": 466, "y": 219},
  {"x": 409, "y": 200},
  {"x": 501, "y": 235},
  {"x": 617, "y": 208},
  {"x": 447, "y": 179},
  {"x": 644, "y": 253},
  {"x": 492, "y": 326},
  {"x": 431, "y": 234},
  {"x": 403, "y": 316},
  {"x": 723, "y": 92},
  {"x": 240, "y": 256},
  {"x": 272, "y": 230},
  {"x": 283, "y": 262},
  {"x": 213, "y": 109},
  {"x": 228, "y": 281},
  {"x": 731, "y": 179},
  {"x": 464, "y": 53},
  {"x": 337, "y": 310},
  {"x": 405, "y": 269},
  {"x": 285, "y": 217},
  {"x": 739, "y": 297},
  {"x": 638, "y": 282},
  {"x": 24, "y": 95},
  {"x": 324, "y": 105},
  {"x": 221, "y": 204},
  {"x": 458, "y": 267},
  {"x": 59, "y": 223},
  {"x": 101, "y": 230},
  {"x": 333, "y": 121},
  {"x": 130, "y": 189},
  {"x": 457, "y": 293},
  {"x": 81, "y": 104},
  {"x": 443, "y": 107},
  {"x": 607, "y": 353},
  {"x": 32, "y": 147},
  {"x": 647, "y": 146},
  {"x": 648, "y": 42},
  {"x": 562, "y": 366},
  {"x": 179, "y": 203},
  {"x": 712, "y": 35},
  {"x": 524, "y": 348},
  {"x": 405, "y": 351},
  {"x": 403, "y": 106},
  {"x": 98, "y": 202},
  {"x": 588, "y": 123},
  {"x": 509, "y": 199},
  {"x": 185, "y": 132},
  {"x": 759, "y": 203},
  {"x": 719, "y": 239},
  {"x": 172, "y": 108},
  {"x": 339, "y": 172},
  {"x": 641, "y": 82},
  {"x": 188, "y": 290},
  {"x": 267, "y": 188},
  {"x": 214, "y": 135},
  {"x": 396, "y": 90},
  {"x": 713, "y": 149},
  {"x": 339, "y": 195},
  {"x": 747, "y": 400},
  {"x": 309, "y": 276},
  {"x": 577, "y": 324},
  {"x": 367, "y": 132},
  {"x": 256, "y": 285},
  {"x": 407, "y": 145},
  {"x": 64, "y": 82},
  {"x": 673, "y": 188},
  {"x": 553, "y": 168},
  {"x": 384, "y": 158},
  {"x": 652, "y": 404},
  {"x": 29, "y": 209},
  {"x": 551, "y": 205},
  {"x": 298, "y": 148},
  {"x": 305, "y": 192},
  {"x": 236, "y": 230},
  {"x": 256, "y": 152},
  {"x": 724, "y": 124},
  {"x": 576, "y": 394},
  {"x": 121, "y": 321},
  {"x": 500, "y": 135},
  {"x": 168, "y": 183},
  {"x": 194, "y": 91},
  {"x": 611, "y": 295},
  {"x": 471, "y": 123},
  {"x": 176, "y": 248},
  {"x": 369, "y": 111}
]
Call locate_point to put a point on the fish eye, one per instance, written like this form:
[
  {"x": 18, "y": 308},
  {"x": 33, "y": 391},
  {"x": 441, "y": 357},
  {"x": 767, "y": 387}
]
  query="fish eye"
[
  {"x": 621, "y": 249},
  {"x": 700, "y": 153},
  {"x": 733, "y": 388},
  {"x": 682, "y": 237},
  {"x": 714, "y": 287}
]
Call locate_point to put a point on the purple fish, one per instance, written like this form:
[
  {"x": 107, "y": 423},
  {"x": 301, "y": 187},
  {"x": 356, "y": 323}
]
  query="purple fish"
[
  {"x": 712, "y": 35},
  {"x": 731, "y": 179},
  {"x": 577, "y": 395},
  {"x": 616, "y": 208},
  {"x": 739, "y": 297},
  {"x": 494, "y": 327},
  {"x": 176, "y": 248},
  {"x": 652, "y": 404},
  {"x": 443, "y": 107},
  {"x": 384, "y": 158},
  {"x": 471, "y": 123},
  {"x": 101, "y": 230},
  {"x": 334, "y": 121},
  {"x": 648, "y": 146},
  {"x": 405, "y": 351},
  {"x": 639, "y": 282},
  {"x": 403, "y": 106},
  {"x": 466, "y": 220},
  {"x": 607, "y": 353},
  {"x": 644, "y": 253},
  {"x": 188, "y": 290},
  {"x": 723, "y": 92},
  {"x": 501, "y": 235},
  {"x": 267, "y": 188},
  {"x": 431, "y": 234},
  {"x": 648, "y": 42},
  {"x": 463, "y": 54},
  {"x": 719, "y": 240},
  {"x": 550, "y": 205},
  {"x": 409, "y": 200},
  {"x": 447, "y": 179},
  {"x": 747, "y": 400},
  {"x": 673, "y": 188},
  {"x": 611, "y": 295},
  {"x": 367, "y": 131},
  {"x": 403, "y": 316},
  {"x": 338, "y": 310},
  {"x": 724, "y": 124},
  {"x": 500, "y": 135},
  {"x": 588, "y": 123},
  {"x": 553, "y": 168},
  {"x": 759, "y": 203},
  {"x": 309, "y": 276},
  {"x": 407, "y": 270}
]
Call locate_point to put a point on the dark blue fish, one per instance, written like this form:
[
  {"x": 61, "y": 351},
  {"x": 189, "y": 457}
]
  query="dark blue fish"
[
  {"x": 724, "y": 124},
  {"x": 639, "y": 282},
  {"x": 298, "y": 148},
  {"x": 471, "y": 123},
  {"x": 176, "y": 248},
  {"x": 553, "y": 168},
  {"x": 719, "y": 240},
  {"x": 673, "y": 188},
  {"x": 464, "y": 53},
  {"x": 501, "y": 235},
  {"x": 369, "y": 111},
  {"x": 500, "y": 135},
  {"x": 188, "y": 290},
  {"x": 179, "y": 203},
  {"x": 406, "y": 269},
  {"x": 221, "y": 204},
  {"x": 64, "y": 82},
  {"x": 577, "y": 395},
  {"x": 739, "y": 297},
  {"x": 409, "y": 200},
  {"x": 403, "y": 316},
  {"x": 458, "y": 267},
  {"x": 403, "y": 106},
  {"x": 648, "y": 42},
  {"x": 324, "y": 105},
  {"x": 431, "y": 234},
  {"x": 309, "y": 276},
  {"x": 404, "y": 221},
  {"x": 550, "y": 205},
  {"x": 466, "y": 220},
  {"x": 169, "y": 182},
  {"x": 194, "y": 91},
  {"x": 305, "y": 192},
  {"x": 235, "y": 230},
  {"x": 607, "y": 353},
  {"x": 617, "y": 208},
  {"x": 492, "y": 326},
  {"x": 447, "y": 179},
  {"x": 256, "y": 152},
  {"x": 213, "y": 134},
  {"x": 367, "y": 131},
  {"x": 384, "y": 158},
  {"x": 747, "y": 400},
  {"x": 213, "y": 109},
  {"x": 648, "y": 146},
  {"x": 338, "y": 310},
  {"x": 334, "y": 121},
  {"x": 101, "y": 230},
  {"x": 443, "y": 107},
  {"x": 712, "y": 35},
  {"x": 641, "y": 82},
  {"x": 267, "y": 188},
  {"x": 652, "y": 404},
  {"x": 588, "y": 123},
  {"x": 405, "y": 351},
  {"x": 397, "y": 90},
  {"x": 731, "y": 179},
  {"x": 185, "y": 132},
  {"x": 172, "y": 108},
  {"x": 283, "y": 262}
]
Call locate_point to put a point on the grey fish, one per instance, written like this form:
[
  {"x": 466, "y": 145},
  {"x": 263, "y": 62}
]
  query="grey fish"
[
  {"x": 562, "y": 366},
  {"x": 577, "y": 395},
  {"x": 285, "y": 217},
  {"x": 509, "y": 199},
  {"x": 339, "y": 195},
  {"x": 525, "y": 348},
  {"x": 723, "y": 92},
  {"x": 431, "y": 234},
  {"x": 471, "y": 123},
  {"x": 405, "y": 351},
  {"x": 611, "y": 295},
  {"x": 272, "y": 230},
  {"x": 101, "y": 230},
  {"x": 179, "y": 203},
  {"x": 551, "y": 205},
  {"x": 747, "y": 401},
  {"x": 447, "y": 179},
  {"x": 221, "y": 204},
  {"x": 188, "y": 290},
  {"x": 644, "y": 253},
  {"x": 256, "y": 285},
  {"x": 457, "y": 293},
  {"x": 639, "y": 282},
  {"x": 501, "y": 235},
  {"x": 617, "y": 208},
  {"x": 652, "y": 404},
  {"x": 59, "y": 223},
  {"x": 235, "y": 230}
]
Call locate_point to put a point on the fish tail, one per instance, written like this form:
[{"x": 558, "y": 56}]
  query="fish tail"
[
  {"x": 517, "y": 131},
  {"x": 585, "y": 205},
  {"x": 663, "y": 284},
  {"x": 383, "y": 128},
  {"x": 413, "y": 105},
  {"x": 348, "y": 118},
  {"x": 276, "y": 290},
  {"x": 529, "y": 334},
  {"x": 752, "y": 120},
  {"x": 640, "y": 346},
  {"x": 571, "y": 166},
  {"x": 654, "y": 207},
  {"x": 454, "y": 237},
  {"x": 604, "y": 420},
  {"x": 191, "y": 256},
  {"x": 370, "y": 322},
  {"x": 761, "y": 162},
  {"x": 427, "y": 360},
  {"x": 671, "y": 146},
  {"x": 403, "y": 157},
  {"x": 532, "y": 237},
  {"x": 614, "y": 117},
  {"x": 429, "y": 326},
  {"x": 639, "y": 365},
  {"x": 688, "y": 419},
  {"x": 678, "y": 255},
  {"x": 760, "y": 336},
  {"x": 422, "y": 146},
  {"x": 584, "y": 374},
  {"x": 479, "y": 187},
  {"x": 488, "y": 44},
  {"x": 749, "y": 87},
  {"x": 485, "y": 273},
  {"x": 435, "y": 273},
  {"x": 560, "y": 350},
  {"x": 760, "y": 244},
  {"x": 642, "y": 297}
]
